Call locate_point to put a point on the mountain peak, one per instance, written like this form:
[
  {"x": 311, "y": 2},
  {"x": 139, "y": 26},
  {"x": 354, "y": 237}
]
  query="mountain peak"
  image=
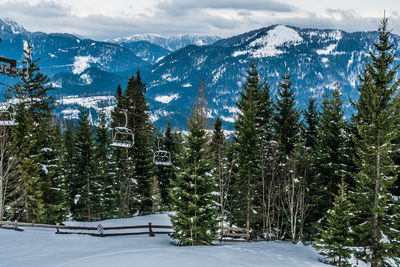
[{"x": 11, "y": 26}]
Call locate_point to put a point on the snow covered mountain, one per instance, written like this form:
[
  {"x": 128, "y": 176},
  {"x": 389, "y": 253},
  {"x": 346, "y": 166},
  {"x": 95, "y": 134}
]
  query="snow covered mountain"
[
  {"x": 316, "y": 58},
  {"x": 11, "y": 26},
  {"x": 172, "y": 43}
]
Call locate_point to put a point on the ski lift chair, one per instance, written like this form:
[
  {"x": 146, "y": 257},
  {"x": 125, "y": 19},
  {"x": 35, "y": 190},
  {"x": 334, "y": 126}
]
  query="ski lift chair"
[
  {"x": 6, "y": 118},
  {"x": 162, "y": 158},
  {"x": 122, "y": 137}
]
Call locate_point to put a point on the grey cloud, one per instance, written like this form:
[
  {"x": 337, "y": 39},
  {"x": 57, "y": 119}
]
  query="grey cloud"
[
  {"x": 50, "y": 17},
  {"x": 179, "y": 6},
  {"x": 45, "y": 9}
]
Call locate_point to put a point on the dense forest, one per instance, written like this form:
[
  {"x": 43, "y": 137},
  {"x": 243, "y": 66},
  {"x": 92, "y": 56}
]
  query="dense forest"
[{"x": 287, "y": 174}]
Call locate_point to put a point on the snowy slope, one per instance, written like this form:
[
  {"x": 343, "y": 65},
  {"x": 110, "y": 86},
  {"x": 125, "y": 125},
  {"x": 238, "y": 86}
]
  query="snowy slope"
[
  {"x": 41, "y": 247},
  {"x": 172, "y": 43}
]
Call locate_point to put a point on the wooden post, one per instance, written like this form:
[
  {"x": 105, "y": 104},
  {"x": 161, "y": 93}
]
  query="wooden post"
[
  {"x": 151, "y": 233},
  {"x": 58, "y": 230}
]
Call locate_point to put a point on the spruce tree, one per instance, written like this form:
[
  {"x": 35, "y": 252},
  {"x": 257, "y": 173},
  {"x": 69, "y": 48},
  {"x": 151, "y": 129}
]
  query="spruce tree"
[
  {"x": 33, "y": 108},
  {"x": 220, "y": 166},
  {"x": 331, "y": 158},
  {"x": 28, "y": 203},
  {"x": 53, "y": 186},
  {"x": 311, "y": 117},
  {"x": 377, "y": 123},
  {"x": 166, "y": 174},
  {"x": 68, "y": 165},
  {"x": 195, "y": 215},
  {"x": 109, "y": 192},
  {"x": 142, "y": 154},
  {"x": 264, "y": 131},
  {"x": 247, "y": 141},
  {"x": 86, "y": 201},
  {"x": 287, "y": 117},
  {"x": 336, "y": 240}
]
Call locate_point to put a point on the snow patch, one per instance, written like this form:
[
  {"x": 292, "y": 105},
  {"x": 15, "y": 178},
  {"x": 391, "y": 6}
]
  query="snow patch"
[
  {"x": 167, "y": 77},
  {"x": 165, "y": 99},
  {"x": 157, "y": 114},
  {"x": 81, "y": 63},
  {"x": 86, "y": 79},
  {"x": 267, "y": 45},
  {"x": 228, "y": 119}
]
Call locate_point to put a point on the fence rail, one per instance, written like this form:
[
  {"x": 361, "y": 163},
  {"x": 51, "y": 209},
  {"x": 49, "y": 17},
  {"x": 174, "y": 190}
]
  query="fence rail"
[
  {"x": 99, "y": 229},
  {"x": 227, "y": 234}
]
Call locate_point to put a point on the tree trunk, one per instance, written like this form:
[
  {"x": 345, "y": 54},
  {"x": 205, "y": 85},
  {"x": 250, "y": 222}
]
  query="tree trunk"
[{"x": 376, "y": 198}]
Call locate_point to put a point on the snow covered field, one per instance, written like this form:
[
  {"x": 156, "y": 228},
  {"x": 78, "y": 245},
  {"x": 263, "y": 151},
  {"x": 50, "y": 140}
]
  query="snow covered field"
[{"x": 41, "y": 247}]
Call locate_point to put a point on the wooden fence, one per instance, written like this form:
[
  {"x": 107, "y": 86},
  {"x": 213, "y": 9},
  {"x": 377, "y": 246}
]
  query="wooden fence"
[
  {"x": 99, "y": 230},
  {"x": 234, "y": 234},
  {"x": 227, "y": 234}
]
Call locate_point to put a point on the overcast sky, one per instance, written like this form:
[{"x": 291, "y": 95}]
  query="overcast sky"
[{"x": 99, "y": 19}]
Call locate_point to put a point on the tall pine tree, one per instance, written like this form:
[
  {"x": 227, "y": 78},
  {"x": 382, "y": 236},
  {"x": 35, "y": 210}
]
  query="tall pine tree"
[
  {"x": 247, "y": 142},
  {"x": 377, "y": 123},
  {"x": 195, "y": 217}
]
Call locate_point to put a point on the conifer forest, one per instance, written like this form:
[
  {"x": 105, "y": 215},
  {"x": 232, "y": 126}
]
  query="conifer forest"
[{"x": 313, "y": 175}]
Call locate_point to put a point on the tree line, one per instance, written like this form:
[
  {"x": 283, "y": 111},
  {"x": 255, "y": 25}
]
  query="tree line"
[{"x": 286, "y": 174}]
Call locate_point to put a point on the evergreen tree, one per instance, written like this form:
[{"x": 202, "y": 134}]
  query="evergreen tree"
[
  {"x": 121, "y": 169},
  {"x": 86, "y": 202},
  {"x": 109, "y": 192},
  {"x": 247, "y": 141},
  {"x": 166, "y": 174},
  {"x": 287, "y": 117},
  {"x": 28, "y": 203},
  {"x": 53, "y": 186},
  {"x": 337, "y": 237},
  {"x": 331, "y": 158},
  {"x": 377, "y": 123},
  {"x": 264, "y": 122},
  {"x": 195, "y": 217},
  {"x": 219, "y": 166},
  {"x": 311, "y": 117},
  {"x": 33, "y": 110},
  {"x": 68, "y": 166},
  {"x": 133, "y": 100}
]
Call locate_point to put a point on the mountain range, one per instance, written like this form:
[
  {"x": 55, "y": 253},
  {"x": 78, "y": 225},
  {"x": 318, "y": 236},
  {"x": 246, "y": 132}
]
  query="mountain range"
[{"x": 87, "y": 72}]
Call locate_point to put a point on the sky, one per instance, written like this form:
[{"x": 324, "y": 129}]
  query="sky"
[{"x": 100, "y": 20}]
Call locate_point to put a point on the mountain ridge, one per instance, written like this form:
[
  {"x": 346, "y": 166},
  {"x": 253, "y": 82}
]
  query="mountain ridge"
[{"x": 317, "y": 59}]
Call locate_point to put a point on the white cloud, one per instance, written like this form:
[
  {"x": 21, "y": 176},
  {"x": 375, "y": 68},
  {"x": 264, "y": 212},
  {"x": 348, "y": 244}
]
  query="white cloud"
[{"x": 110, "y": 19}]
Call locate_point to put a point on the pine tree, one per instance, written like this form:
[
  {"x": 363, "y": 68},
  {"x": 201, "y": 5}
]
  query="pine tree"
[
  {"x": 86, "y": 201},
  {"x": 109, "y": 191},
  {"x": 264, "y": 121},
  {"x": 287, "y": 117},
  {"x": 311, "y": 117},
  {"x": 121, "y": 169},
  {"x": 377, "y": 123},
  {"x": 166, "y": 174},
  {"x": 331, "y": 158},
  {"x": 33, "y": 110},
  {"x": 219, "y": 166},
  {"x": 310, "y": 135},
  {"x": 336, "y": 240},
  {"x": 68, "y": 165},
  {"x": 247, "y": 141},
  {"x": 133, "y": 100},
  {"x": 195, "y": 217},
  {"x": 53, "y": 184},
  {"x": 28, "y": 204}
]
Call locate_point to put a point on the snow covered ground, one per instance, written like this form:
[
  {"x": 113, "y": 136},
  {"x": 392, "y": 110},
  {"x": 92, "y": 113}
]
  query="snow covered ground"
[{"x": 41, "y": 247}]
